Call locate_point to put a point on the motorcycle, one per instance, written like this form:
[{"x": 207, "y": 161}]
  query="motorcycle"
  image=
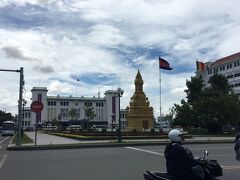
[{"x": 211, "y": 169}]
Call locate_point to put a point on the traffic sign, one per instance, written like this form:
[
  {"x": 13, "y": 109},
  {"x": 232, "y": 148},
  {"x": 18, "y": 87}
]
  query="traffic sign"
[{"x": 36, "y": 106}]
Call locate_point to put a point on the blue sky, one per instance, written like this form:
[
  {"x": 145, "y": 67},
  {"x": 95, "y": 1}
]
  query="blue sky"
[{"x": 81, "y": 47}]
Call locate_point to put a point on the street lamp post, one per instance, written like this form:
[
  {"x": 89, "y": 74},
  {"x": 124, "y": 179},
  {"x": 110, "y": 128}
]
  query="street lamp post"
[
  {"x": 19, "y": 140},
  {"x": 120, "y": 93}
]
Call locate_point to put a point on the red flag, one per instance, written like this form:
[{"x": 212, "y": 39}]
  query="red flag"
[
  {"x": 163, "y": 64},
  {"x": 200, "y": 66}
]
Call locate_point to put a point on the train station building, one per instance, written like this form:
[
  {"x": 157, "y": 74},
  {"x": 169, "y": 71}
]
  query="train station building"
[
  {"x": 56, "y": 109},
  {"x": 228, "y": 66}
]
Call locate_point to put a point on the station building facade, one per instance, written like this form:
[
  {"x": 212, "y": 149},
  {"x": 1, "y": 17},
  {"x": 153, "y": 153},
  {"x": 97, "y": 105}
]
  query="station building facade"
[
  {"x": 57, "y": 108},
  {"x": 228, "y": 66}
]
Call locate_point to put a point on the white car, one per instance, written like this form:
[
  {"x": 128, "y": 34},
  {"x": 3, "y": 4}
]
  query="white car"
[
  {"x": 49, "y": 128},
  {"x": 73, "y": 127}
]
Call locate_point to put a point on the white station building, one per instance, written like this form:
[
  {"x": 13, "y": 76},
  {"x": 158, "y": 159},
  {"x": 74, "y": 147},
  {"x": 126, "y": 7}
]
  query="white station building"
[
  {"x": 228, "y": 66},
  {"x": 57, "y": 108}
]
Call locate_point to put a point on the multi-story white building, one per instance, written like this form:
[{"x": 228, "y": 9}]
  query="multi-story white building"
[
  {"x": 228, "y": 66},
  {"x": 57, "y": 108}
]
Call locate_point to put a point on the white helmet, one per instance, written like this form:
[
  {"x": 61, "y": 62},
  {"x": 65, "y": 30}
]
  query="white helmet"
[{"x": 175, "y": 135}]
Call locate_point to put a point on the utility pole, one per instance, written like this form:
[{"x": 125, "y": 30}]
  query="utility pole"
[
  {"x": 120, "y": 93},
  {"x": 19, "y": 139}
]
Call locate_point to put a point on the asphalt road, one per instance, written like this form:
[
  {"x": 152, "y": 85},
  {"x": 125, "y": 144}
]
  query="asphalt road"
[
  {"x": 4, "y": 141},
  {"x": 121, "y": 163}
]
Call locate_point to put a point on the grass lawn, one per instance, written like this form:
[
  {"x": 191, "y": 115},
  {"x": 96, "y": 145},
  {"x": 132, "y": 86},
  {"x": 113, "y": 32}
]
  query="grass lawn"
[{"x": 25, "y": 139}]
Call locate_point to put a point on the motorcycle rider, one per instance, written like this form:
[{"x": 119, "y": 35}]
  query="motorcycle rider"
[
  {"x": 180, "y": 161},
  {"x": 237, "y": 146}
]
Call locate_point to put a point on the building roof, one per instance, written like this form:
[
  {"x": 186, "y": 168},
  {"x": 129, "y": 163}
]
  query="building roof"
[
  {"x": 39, "y": 89},
  {"x": 226, "y": 59},
  {"x": 74, "y": 98}
]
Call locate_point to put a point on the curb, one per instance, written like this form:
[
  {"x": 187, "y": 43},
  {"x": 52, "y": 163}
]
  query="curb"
[{"x": 104, "y": 145}]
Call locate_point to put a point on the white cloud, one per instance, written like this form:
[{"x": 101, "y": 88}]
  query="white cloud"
[
  {"x": 106, "y": 35},
  {"x": 230, "y": 45},
  {"x": 56, "y": 87},
  {"x": 113, "y": 37}
]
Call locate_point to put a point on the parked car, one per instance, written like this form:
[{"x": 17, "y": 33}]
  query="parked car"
[
  {"x": 29, "y": 128},
  {"x": 73, "y": 127},
  {"x": 49, "y": 128},
  {"x": 99, "y": 127}
]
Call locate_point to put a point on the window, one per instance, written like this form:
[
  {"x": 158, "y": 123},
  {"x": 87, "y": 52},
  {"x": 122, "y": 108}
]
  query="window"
[
  {"x": 88, "y": 104},
  {"x": 64, "y": 103},
  {"x": 51, "y": 103},
  {"x": 237, "y": 85},
  {"x": 229, "y": 76},
  {"x": 215, "y": 70},
  {"x": 237, "y": 75},
  {"x": 98, "y": 104}
]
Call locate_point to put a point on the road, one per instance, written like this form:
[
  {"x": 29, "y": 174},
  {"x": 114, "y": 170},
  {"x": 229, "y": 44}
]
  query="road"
[
  {"x": 118, "y": 163},
  {"x": 4, "y": 141}
]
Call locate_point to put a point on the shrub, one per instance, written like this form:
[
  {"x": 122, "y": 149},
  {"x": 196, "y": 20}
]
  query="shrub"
[
  {"x": 198, "y": 131},
  {"x": 152, "y": 130}
]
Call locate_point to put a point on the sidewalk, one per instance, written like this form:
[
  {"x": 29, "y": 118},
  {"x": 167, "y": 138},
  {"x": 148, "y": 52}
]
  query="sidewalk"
[{"x": 46, "y": 141}]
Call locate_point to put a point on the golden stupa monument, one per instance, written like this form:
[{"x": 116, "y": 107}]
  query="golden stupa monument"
[{"x": 139, "y": 114}]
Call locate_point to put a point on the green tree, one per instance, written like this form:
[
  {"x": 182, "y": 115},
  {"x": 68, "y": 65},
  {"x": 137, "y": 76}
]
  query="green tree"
[
  {"x": 184, "y": 114},
  {"x": 194, "y": 89},
  {"x": 219, "y": 106},
  {"x": 5, "y": 117},
  {"x": 89, "y": 116},
  {"x": 54, "y": 121},
  {"x": 208, "y": 107},
  {"x": 219, "y": 82},
  {"x": 89, "y": 113},
  {"x": 72, "y": 114}
]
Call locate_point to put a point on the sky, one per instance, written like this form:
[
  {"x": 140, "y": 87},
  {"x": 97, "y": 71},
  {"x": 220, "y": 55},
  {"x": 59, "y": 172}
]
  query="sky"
[{"x": 82, "y": 47}]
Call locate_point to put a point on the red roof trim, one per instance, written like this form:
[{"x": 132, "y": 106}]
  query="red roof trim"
[{"x": 226, "y": 59}]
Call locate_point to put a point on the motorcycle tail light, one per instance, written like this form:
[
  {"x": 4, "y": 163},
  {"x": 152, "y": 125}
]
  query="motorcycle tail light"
[{"x": 146, "y": 177}]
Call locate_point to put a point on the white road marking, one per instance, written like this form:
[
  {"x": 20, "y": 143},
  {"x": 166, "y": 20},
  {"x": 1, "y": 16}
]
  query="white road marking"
[
  {"x": 2, "y": 161},
  {"x": 231, "y": 167},
  {"x": 161, "y": 154},
  {"x": 212, "y": 148},
  {"x": 4, "y": 139},
  {"x": 223, "y": 155},
  {"x": 146, "y": 151}
]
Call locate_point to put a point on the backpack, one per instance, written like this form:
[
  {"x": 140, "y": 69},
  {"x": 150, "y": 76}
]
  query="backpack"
[{"x": 237, "y": 144}]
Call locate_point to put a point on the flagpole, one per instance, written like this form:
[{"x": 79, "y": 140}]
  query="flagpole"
[
  {"x": 160, "y": 93},
  {"x": 163, "y": 64}
]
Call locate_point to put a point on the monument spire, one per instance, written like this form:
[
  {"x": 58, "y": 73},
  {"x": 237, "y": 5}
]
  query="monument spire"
[
  {"x": 139, "y": 114},
  {"x": 138, "y": 82}
]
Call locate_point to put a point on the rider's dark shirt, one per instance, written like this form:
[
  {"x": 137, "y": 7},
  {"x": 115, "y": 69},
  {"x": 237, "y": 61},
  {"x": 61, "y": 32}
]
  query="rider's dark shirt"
[{"x": 178, "y": 161}]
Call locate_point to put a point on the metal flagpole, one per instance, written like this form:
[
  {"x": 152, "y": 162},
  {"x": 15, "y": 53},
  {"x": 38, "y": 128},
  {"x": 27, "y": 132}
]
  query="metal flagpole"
[{"x": 160, "y": 91}]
